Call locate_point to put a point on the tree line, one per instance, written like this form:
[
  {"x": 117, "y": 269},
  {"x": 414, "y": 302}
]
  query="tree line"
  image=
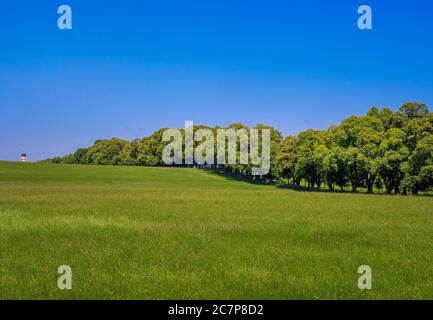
[{"x": 383, "y": 151}]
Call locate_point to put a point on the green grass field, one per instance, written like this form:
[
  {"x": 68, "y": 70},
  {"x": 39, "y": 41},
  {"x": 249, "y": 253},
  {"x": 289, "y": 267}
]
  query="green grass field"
[{"x": 165, "y": 233}]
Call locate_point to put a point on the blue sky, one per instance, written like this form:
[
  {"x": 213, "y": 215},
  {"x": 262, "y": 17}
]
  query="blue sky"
[{"x": 129, "y": 68}]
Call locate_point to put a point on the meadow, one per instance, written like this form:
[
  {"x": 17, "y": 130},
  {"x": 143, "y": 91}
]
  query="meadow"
[{"x": 176, "y": 233}]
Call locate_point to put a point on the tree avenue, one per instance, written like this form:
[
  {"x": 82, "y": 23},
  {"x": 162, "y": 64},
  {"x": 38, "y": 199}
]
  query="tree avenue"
[{"x": 381, "y": 151}]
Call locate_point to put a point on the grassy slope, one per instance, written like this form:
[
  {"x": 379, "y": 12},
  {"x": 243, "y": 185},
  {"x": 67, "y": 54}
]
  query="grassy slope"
[{"x": 184, "y": 233}]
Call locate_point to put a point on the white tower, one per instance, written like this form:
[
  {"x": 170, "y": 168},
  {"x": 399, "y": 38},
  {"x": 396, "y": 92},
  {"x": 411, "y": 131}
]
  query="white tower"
[{"x": 23, "y": 157}]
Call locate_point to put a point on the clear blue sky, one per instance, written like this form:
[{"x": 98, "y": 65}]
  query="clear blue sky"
[{"x": 129, "y": 68}]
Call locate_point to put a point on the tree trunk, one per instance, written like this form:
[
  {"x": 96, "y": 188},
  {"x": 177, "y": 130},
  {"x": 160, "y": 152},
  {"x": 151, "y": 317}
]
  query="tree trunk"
[
  {"x": 370, "y": 183},
  {"x": 389, "y": 188}
]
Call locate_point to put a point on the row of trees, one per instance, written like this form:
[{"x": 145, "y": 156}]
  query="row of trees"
[
  {"x": 386, "y": 149},
  {"x": 383, "y": 150}
]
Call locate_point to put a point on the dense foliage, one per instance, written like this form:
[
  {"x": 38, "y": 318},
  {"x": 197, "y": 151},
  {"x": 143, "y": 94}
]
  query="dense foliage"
[{"x": 383, "y": 150}]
